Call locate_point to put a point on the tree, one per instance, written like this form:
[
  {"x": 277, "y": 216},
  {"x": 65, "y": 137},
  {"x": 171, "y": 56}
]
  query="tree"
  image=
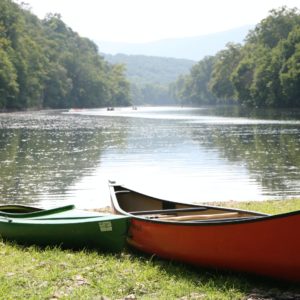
[
  {"x": 119, "y": 86},
  {"x": 57, "y": 87},
  {"x": 276, "y": 27},
  {"x": 46, "y": 64},
  {"x": 8, "y": 80},
  {"x": 193, "y": 88},
  {"x": 290, "y": 71},
  {"x": 290, "y": 79},
  {"x": 226, "y": 61}
]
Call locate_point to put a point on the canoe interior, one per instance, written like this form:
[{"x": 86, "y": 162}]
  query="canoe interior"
[{"x": 148, "y": 207}]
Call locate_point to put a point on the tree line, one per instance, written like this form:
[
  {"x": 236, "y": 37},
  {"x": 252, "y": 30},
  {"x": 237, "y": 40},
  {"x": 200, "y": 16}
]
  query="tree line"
[
  {"x": 45, "y": 64},
  {"x": 263, "y": 72}
]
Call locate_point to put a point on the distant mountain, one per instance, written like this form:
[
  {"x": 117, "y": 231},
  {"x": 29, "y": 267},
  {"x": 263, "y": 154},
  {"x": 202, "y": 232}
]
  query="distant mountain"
[
  {"x": 151, "y": 67},
  {"x": 193, "y": 48},
  {"x": 142, "y": 69}
]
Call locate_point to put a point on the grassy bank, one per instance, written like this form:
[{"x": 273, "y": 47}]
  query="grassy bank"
[
  {"x": 33, "y": 273},
  {"x": 269, "y": 207}
]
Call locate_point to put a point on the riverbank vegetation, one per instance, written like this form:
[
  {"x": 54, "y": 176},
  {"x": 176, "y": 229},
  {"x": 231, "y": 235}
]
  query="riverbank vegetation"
[
  {"x": 34, "y": 273},
  {"x": 264, "y": 72},
  {"x": 45, "y": 64}
]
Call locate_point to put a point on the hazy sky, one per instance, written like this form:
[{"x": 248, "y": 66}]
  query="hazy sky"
[{"x": 151, "y": 20}]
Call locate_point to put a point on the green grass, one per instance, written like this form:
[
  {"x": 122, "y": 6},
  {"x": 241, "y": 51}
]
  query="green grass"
[
  {"x": 34, "y": 273},
  {"x": 269, "y": 207}
]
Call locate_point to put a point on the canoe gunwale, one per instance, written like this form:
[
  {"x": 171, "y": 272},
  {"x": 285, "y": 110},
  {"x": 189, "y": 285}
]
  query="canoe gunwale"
[
  {"x": 59, "y": 222},
  {"x": 36, "y": 213},
  {"x": 215, "y": 221},
  {"x": 259, "y": 217}
]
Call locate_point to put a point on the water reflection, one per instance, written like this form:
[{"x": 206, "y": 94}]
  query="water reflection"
[
  {"x": 43, "y": 154},
  {"x": 269, "y": 152},
  {"x": 51, "y": 158}
]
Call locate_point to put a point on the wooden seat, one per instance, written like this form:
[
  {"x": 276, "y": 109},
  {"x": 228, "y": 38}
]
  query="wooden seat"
[{"x": 201, "y": 217}]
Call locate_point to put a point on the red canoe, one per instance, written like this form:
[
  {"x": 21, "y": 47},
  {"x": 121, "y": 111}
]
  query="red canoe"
[{"x": 212, "y": 236}]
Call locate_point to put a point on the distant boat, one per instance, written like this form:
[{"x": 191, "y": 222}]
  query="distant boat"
[
  {"x": 63, "y": 226},
  {"x": 134, "y": 107},
  {"x": 212, "y": 236},
  {"x": 110, "y": 108}
]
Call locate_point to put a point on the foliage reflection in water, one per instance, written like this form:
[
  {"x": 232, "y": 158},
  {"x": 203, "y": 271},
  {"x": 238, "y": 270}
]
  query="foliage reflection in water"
[{"x": 52, "y": 158}]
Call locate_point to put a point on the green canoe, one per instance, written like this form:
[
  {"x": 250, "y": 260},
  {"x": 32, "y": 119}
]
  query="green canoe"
[{"x": 64, "y": 226}]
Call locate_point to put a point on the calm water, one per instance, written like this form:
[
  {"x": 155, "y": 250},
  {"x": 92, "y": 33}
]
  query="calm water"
[{"x": 52, "y": 158}]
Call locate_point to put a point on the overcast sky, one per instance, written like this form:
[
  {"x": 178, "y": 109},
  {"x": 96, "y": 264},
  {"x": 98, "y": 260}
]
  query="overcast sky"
[{"x": 151, "y": 20}]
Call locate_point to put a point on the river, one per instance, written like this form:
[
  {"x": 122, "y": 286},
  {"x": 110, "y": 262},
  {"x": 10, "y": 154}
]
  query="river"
[{"x": 51, "y": 158}]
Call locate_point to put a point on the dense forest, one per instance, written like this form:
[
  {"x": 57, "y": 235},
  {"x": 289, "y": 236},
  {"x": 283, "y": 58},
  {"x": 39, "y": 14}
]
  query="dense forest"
[
  {"x": 264, "y": 72},
  {"x": 150, "y": 76},
  {"x": 44, "y": 64}
]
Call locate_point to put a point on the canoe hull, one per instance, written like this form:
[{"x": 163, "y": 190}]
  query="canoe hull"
[
  {"x": 266, "y": 248},
  {"x": 67, "y": 229},
  {"x": 258, "y": 243}
]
